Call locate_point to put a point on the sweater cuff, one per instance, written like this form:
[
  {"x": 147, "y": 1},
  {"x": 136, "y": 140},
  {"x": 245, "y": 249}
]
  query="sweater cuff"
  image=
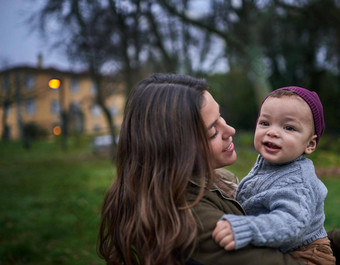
[{"x": 241, "y": 229}]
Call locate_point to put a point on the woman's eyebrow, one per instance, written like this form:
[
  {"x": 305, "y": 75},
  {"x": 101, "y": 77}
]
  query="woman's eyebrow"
[{"x": 212, "y": 125}]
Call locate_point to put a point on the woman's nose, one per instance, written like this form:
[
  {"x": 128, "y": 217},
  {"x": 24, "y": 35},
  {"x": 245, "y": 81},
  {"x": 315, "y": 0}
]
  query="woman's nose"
[{"x": 228, "y": 131}]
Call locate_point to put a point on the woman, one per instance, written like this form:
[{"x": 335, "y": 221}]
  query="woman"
[{"x": 167, "y": 198}]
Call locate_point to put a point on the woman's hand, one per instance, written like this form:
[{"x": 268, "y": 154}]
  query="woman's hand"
[{"x": 223, "y": 235}]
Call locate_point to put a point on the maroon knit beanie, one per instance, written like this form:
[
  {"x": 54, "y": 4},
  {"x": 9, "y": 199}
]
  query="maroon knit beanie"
[{"x": 313, "y": 102}]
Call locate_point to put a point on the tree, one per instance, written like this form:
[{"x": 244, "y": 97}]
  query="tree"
[
  {"x": 118, "y": 37},
  {"x": 239, "y": 27},
  {"x": 274, "y": 43},
  {"x": 305, "y": 50},
  {"x": 98, "y": 33},
  {"x": 11, "y": 93}
]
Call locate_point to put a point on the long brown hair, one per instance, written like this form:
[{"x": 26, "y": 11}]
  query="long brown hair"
[{"x": 162, "y": 146}]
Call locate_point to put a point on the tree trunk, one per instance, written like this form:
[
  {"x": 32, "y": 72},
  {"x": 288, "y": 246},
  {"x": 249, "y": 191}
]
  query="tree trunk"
[
  {"x": 107, "y": 113},
  {"x": 257, "y": 72},
  {"x": 5, "y": 130},
  {"x": 18, "y": 103}
]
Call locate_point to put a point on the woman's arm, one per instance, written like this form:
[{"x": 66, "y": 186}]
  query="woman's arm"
[{"x": 207, "y": 212}]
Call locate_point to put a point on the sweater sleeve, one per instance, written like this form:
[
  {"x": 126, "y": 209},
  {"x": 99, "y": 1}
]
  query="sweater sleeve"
[
  {"x": 288, "y": 214},
  {"x": 208, "y": 252}
]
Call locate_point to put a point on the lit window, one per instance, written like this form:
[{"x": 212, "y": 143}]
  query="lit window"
[
  {"x": 30, "y": 106},
  {"x": 56, "y": 129},
  {"x": 74, "y": 85},
  {"x": 54, "y": 83},
  {"x": 55, "y": 106}
]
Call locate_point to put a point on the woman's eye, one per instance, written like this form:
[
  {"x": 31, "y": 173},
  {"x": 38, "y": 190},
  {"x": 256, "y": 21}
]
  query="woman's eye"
[{"x": 214, "y": 135}]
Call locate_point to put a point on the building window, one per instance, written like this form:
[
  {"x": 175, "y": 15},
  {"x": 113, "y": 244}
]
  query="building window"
[
  {"x": 5, "y": 83},
  {"x": 94, "y": 88},
  {"x": 29, "y": 81},
  {"x": 114, "y": 111},
  {"x": 74, "y": 108},
  {"x": 55, "y": 106},
  {"x": 76, "y": 118},
  {"x": 74, "y": 85},
  {"x": 30, "y": 106},
  {"x": 95, "y": 110},
  {"x": 96, "y": 128},
  {"x": 8, "y": 110}
]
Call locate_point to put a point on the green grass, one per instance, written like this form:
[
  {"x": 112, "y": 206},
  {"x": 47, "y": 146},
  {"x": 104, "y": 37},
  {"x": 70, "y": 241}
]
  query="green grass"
[
  {"x": 50, "y": 203},
  {"x": 50, "y": 200}
]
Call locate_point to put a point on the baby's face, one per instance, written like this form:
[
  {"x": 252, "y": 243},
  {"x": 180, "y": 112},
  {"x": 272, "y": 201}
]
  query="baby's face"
[{"x": 285, "y": 129}]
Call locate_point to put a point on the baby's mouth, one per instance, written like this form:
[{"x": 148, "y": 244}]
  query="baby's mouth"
[{"x": 272, "y": 145}]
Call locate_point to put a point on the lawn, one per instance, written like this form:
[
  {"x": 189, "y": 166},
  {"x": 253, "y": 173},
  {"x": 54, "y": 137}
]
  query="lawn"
[
  {"x": 50, "y": 200},
  {"x": 50, "y": 203}
]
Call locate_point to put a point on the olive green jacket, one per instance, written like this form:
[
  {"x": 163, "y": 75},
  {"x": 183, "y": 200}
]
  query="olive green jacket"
[
  {"x": 334, "y": 237},
  {"x": 207, "y": 212}
]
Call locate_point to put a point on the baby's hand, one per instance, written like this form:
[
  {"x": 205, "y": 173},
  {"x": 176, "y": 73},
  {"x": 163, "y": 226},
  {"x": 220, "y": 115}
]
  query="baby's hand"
[{"x": 223, "y": 235}]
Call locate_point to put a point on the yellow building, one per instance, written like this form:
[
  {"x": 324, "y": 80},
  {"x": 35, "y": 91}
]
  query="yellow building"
[{"x": 25, "y": 97}]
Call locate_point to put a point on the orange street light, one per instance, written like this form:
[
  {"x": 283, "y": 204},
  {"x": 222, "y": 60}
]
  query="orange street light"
[{"x": 54, "y": 83}]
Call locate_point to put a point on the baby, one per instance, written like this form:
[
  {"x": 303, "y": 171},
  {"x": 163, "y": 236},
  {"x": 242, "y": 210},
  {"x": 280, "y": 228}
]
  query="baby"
[{"x": 282, "y": 196}]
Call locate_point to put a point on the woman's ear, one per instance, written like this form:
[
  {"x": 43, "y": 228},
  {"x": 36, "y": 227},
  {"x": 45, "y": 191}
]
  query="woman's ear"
[{"x": 311, "y": 145}]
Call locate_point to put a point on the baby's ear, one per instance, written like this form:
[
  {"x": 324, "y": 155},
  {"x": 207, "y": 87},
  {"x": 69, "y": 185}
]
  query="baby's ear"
[{"x": 311, "y": 145}]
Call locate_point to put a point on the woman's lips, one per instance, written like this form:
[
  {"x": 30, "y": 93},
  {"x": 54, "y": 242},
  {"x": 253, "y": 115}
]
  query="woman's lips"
[{"x": 230, "y": 148}]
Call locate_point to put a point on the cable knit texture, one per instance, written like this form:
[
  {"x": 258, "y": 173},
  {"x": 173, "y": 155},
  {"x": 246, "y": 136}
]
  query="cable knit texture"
[{"x": 284, "y": 205}]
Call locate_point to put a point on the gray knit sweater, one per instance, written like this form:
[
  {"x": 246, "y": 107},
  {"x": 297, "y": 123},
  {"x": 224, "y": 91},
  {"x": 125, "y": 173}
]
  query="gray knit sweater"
[{"x": 284, "y": 205}]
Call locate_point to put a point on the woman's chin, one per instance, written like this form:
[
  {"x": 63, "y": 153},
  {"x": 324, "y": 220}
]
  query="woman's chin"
[{"x": 227, "y": 162}]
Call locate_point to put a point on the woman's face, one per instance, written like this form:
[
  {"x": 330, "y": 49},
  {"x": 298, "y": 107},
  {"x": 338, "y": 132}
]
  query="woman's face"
[{"x": 219, "y": 133}]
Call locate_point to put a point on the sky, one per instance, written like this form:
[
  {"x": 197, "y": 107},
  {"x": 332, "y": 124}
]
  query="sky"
[{"x": 19, "y": 46}]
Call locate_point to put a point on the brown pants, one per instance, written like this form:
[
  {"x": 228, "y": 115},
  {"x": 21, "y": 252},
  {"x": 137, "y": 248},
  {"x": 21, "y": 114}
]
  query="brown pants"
[{"x": 318, "y": 252}]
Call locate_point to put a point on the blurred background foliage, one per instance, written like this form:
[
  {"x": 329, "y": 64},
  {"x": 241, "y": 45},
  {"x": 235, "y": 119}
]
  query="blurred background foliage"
[{"x": 245, "y": 48}]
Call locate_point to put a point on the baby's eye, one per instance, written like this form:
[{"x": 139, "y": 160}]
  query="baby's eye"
[
  {"x": 264, "y": 123},
  {"x": 289, "y": 128}
]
